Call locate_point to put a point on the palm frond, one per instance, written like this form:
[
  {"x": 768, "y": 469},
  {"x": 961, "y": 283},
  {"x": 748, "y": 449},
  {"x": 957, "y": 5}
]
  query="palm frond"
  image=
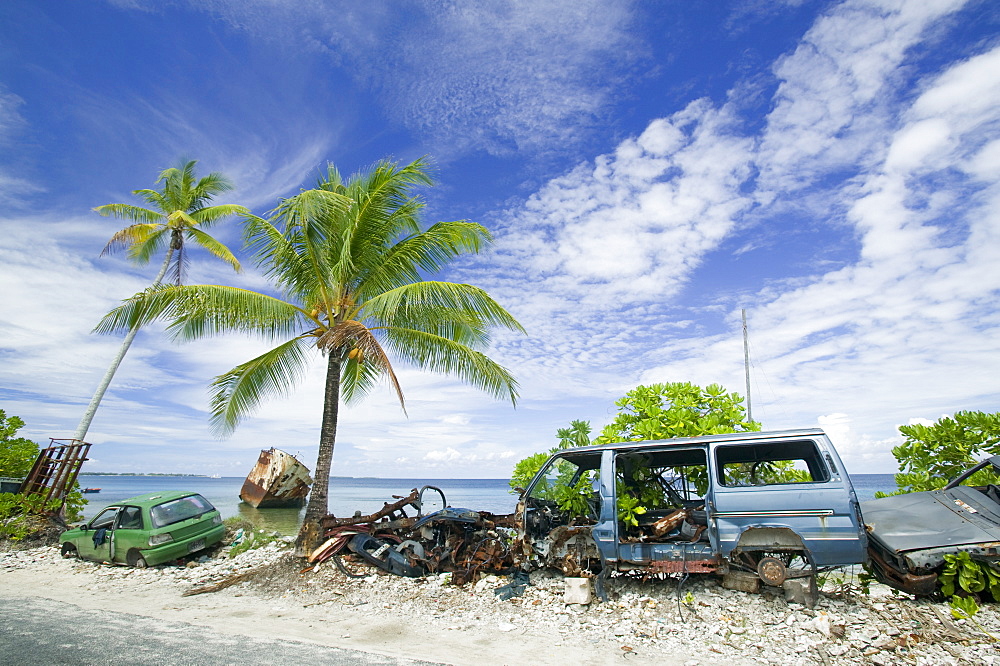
[
  {"x": 410, "y": 304},
  {"x": 210, "y": 185},
  {"x": 366, "y": 362},
  {"x": 438, "y": 354},
  {"x": 358, "y": 378},
  {"x": 131, "y": 235},
  {"x": 311, "y": 223},
  {"x": 197, "y": 311},
  {"x": 130, "y": 212},
  {"x": 206, "y": 217},
  {"x": 215, "y": 247},
  {"x": 141, "y": 251},
  {"x": 236, "y": 393},
  {"x": 154, "y": 198},
  {"x": 429, "y": 251}
]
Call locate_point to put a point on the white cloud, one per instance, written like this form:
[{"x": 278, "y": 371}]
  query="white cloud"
[
  {"x": 836, "y": 88},
  {"x": 634, "y": 225}
]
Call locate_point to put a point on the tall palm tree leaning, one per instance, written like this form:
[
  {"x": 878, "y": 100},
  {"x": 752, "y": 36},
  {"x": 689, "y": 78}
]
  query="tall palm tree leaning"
[
  {"x": 348, "y": 259},
  {"x": 179, "y": 212}
]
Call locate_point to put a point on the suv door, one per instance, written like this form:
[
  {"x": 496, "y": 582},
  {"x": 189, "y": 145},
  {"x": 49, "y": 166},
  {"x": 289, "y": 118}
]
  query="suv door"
[
  {"x": 660, "y": 505},
  {"x": 784, "y": 487}
]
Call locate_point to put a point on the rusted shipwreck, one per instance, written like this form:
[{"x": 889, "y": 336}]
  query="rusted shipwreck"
[{"x": 278, "y": 480}]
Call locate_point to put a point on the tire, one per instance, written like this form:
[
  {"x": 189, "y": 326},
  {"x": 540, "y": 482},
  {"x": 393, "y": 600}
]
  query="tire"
[
  {"x": 69, "y": 551},
  {"x": 135, "y": 559}
]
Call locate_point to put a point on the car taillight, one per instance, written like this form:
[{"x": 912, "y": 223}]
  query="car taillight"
[
  {"x": 217, "y": 519},
  {"x": 157, "y": 539}
]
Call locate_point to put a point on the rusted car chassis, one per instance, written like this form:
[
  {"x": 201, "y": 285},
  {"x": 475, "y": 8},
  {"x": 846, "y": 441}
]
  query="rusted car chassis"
[{"x": 401, "y": 539}]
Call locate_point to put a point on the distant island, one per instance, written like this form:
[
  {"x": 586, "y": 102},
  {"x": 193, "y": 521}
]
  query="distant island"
[{"x": 136, "y": 474}]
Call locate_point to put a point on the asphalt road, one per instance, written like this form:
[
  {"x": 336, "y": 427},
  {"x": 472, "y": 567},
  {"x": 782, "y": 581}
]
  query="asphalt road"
[{"x": 43, "y": 631}]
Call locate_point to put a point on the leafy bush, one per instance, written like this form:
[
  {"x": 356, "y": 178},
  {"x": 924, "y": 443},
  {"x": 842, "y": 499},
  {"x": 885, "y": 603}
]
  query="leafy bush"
[
  {"x": 23, "y": 515},
  {"x": 678, "y": 409},
  {"x": 17, "y": 454},
  {"x": 962, "y": 573},
  {"x": 933, "y": 455}
]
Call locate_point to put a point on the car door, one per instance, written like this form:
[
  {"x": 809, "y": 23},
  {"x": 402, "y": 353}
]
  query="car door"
[
  {"x": 788, "y": 485},
  {"x": 129, "y": 533},
  {"x": 662, "y": 482},
  {"x": 98, "y": 540}
]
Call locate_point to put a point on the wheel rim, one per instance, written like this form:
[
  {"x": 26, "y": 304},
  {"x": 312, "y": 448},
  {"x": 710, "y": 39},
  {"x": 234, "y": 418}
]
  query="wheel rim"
[{"x": 772, "y": 571}]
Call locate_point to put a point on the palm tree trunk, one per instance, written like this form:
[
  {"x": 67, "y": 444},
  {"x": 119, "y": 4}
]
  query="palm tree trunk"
[
  {"x": 309, "y": 534},
  {"x": 95, "y": 402}
]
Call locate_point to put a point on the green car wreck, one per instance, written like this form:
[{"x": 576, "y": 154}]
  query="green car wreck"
[{"x": 147, "y": 530}]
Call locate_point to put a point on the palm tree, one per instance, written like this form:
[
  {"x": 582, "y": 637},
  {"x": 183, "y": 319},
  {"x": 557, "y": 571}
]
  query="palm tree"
[
  {"x": 348, "y": 259},
  {"x": 180, "y": 212}
]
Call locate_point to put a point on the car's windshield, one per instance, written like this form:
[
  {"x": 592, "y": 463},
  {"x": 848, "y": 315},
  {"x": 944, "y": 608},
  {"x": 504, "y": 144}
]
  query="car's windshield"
[{"x": 177, "y": 510}]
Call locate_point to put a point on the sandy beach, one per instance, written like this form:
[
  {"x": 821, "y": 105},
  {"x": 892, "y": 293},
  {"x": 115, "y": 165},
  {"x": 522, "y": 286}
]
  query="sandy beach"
[{"x": 426, "y": 618}]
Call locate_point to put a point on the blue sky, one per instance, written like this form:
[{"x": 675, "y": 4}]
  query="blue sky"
[{"x": 648, "y": 169}]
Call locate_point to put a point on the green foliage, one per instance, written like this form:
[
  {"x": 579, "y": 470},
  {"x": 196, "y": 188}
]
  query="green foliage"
[
  {"x": 933, "y": 455},
  {"x": 251, "y": 540},
  {"x": 20, "y": 515},
  {"x": 961, "y": 572},
  {"x": 17, "y": 454},
  {"x": 73, "y": 506},
  {"x": 629, "y": 507},
  {"x": 638, "y": 491},
  {"x": 577, "y": 434},
  {"x": 963, "y": 608},
  {"x": 559, "y": 486},
  {"x": 572, "y": 498},
  {"x": 525, "y": 470},
  {"x": 678, "y": 409}
]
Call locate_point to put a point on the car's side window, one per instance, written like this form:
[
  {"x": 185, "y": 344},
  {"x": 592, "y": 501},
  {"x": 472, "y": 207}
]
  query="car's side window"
[
  {"x": 771, "y": 463},
  {"x": 130, "y": 518},
  {"x": 104, "y": 519}
]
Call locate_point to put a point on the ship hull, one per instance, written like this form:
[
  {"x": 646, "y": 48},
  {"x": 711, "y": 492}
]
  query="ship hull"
[{"x": 278, "y": 480}]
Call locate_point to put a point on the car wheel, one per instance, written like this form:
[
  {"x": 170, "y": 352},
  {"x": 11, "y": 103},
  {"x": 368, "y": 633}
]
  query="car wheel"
[
  {"x": 68, "y": 551},
  {"x": 135, "y": 559}
]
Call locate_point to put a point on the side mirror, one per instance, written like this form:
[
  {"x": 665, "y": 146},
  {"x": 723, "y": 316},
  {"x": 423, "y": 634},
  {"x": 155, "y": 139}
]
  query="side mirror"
[{"x": 85, "y": 527}]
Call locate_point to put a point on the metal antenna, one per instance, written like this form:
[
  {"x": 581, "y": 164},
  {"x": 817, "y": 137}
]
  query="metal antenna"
[{"x": 746, "y": 363}]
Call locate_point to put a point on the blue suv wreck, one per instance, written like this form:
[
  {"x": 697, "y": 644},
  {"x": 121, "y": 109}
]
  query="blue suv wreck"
[{"x": 752, "y": 506}]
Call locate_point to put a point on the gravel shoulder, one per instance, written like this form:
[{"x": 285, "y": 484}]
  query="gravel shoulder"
[{"x": 426, "y": 618}]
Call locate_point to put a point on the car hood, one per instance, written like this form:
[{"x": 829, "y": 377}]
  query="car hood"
[{"x": 933, "y": 519}]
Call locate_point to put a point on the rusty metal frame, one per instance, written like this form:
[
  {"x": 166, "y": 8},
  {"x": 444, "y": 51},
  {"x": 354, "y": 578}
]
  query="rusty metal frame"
[{"x": 55, "y": 470}]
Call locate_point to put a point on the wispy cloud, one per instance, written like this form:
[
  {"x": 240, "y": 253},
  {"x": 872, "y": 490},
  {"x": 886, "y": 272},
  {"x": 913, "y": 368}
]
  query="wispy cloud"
[
  {"x": 492, "y": 77},
  {"x": 13, "y": 188}
]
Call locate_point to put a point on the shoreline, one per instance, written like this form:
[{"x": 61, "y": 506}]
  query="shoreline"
[{"x": 425, "y": 618}]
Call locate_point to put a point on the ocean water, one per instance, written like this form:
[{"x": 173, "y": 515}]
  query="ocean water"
[{"x": 348, "y": 495}]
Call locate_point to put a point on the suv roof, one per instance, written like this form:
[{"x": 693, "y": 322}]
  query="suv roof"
[{"x": 704, "y": 439}]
